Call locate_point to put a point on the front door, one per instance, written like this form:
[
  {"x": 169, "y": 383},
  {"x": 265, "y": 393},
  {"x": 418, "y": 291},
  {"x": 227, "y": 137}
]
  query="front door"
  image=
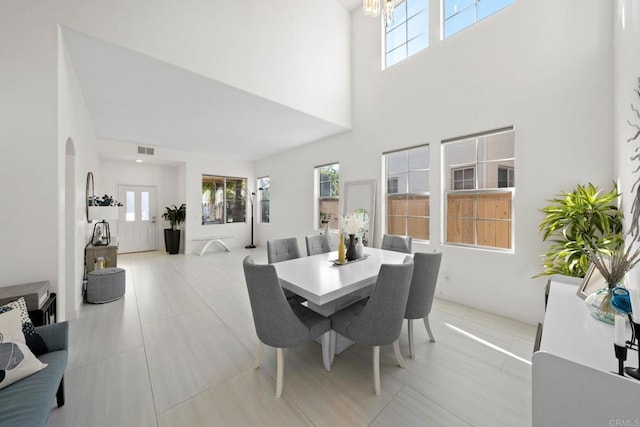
[{"x": 138, "y": 228}]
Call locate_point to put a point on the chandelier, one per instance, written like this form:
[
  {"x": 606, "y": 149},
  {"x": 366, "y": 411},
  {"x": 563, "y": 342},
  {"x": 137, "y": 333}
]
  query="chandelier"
[{"x": 373, "y": 8}]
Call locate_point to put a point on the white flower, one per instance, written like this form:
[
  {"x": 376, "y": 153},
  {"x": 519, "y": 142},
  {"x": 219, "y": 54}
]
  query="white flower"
[{"x": 352, "y": 223}]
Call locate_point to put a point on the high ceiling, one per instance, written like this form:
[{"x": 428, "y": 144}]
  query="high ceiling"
[{"x": 138, "y": 99}]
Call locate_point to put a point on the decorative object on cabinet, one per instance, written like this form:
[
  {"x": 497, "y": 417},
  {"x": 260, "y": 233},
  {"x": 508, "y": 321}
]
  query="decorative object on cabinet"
[
  {"x": 102, "y": 208},
  {"x": 613, "y": 267},
  {"x": 176, "y": 216},
  {"x": 577, "y": 222},
  {"x": 592, "y": 281}
]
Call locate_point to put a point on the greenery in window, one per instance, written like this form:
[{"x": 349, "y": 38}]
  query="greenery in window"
[
  {"x": 223, "y": 199},
  {"x": 578, "y": 223}
]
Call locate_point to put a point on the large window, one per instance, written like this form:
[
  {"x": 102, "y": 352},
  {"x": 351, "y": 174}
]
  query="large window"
[
  {"x": 223, "y": 199},
  {"x": 480, "y": 185},
  {"x": 409, "y": 31},
  {"x": 459, "y": 14},
  {"x": 407, "y": 174},
  {"x": 264, "y": 188},
  {"x": 328, "y": 179}
]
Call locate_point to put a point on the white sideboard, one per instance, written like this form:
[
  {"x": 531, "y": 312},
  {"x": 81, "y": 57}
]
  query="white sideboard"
[{"x": 572, "y": 377}]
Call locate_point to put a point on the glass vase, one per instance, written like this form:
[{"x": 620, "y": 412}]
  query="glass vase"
[
  {"x": 351, "y": 249},
  {"x": 599, "y": 304}
]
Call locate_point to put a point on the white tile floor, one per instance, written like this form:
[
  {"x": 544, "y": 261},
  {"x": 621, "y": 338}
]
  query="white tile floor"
[{"x": 178, "y": 349}]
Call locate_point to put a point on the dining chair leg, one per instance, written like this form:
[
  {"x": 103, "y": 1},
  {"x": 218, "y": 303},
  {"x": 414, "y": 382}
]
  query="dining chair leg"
[
  {"x": 428, "y": 327},
  {"x": 334, "y": 344},
  {"x": 410, "y": 332},
  {"x": 259, "y": 353},
  {"x": 326, "y": 350},
  {"x": 396, "y": 350},
  {"x": 280, "y": 374},
  {"x": 376, "y": 369}
]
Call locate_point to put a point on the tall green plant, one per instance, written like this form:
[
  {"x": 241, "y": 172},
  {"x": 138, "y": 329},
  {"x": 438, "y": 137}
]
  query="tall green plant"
[
  {"x": 175, "y": 215},
  {"x": 578, "y": 223}
]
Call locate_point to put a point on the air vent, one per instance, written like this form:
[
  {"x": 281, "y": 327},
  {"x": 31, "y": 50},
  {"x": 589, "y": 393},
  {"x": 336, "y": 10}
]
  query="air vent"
[{"x": 146, "y": 150}]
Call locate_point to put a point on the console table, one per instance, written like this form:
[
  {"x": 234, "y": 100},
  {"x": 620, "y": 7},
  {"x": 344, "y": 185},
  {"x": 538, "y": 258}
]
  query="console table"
[
  {"x": 110, "y": 253},
  {"x": 572, "y": 376}
]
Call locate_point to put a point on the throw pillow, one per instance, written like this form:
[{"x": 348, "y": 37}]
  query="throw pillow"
[
  {"x": 16, "y": 360},
  {"x": 34, "y": 341}
]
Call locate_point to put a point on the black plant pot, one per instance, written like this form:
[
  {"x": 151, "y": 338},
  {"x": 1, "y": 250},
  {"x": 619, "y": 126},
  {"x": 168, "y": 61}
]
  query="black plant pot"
[{"x": 172, "y": 241}]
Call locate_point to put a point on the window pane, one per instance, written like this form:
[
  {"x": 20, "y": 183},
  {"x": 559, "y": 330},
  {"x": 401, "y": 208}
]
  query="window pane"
[
  {"x": 397, "y": 225},
  {"x": 489, "y": 7},
  {"x": 418, "y": 228},
  {"x": 452, "y": 7},
  {"x": 131, "y": 206},
  {"x": 416, "y": 45},
  {"x": 496, "y": 147},
  {"x": 396, "y": 56},
  {"x": 264, "y": 211},
  {"x": 419, "y": 158},
  {"x": 397, "y": 37},
  {"x": 415, "y": 6},
  {"x": 144, "y": 206},
  {"x": 399, "y": 182},
  {"x": 460, "y": 21},
  {"x": 397, "y": 162},
  {"x": 396, "y": 206},
  {"x": 419, "y": 182},
  {"x": 418, "y": 205},
  {"x": 416, "y": 25},
  {"x": 325, "y": 189},
  {"x": 399, "y": 15},
  {"x": 236, "y": 202}
]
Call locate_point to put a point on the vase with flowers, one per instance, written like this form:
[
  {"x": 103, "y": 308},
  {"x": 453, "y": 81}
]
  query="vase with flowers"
[
  {"x": 351, "y": 224},
  {"x": 613, "y": 265}
]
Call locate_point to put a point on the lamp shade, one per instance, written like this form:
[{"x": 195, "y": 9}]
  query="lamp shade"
[{"x": 99, "y": 213}]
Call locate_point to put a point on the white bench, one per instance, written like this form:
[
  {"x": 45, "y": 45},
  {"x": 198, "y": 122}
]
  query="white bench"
[{"x": 212, "y": 239}]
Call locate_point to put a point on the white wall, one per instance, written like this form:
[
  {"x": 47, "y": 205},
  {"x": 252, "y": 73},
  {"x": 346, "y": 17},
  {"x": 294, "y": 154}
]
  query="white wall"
[
  {"x": 542, "y": 66},
  {"x": 292, "y": 52},
  {"x": 75, "y": 125},
  {"x": 164, "y": 178}
]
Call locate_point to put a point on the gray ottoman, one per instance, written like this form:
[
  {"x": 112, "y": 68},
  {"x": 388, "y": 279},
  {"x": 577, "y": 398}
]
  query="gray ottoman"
[{"x": 105, "y": 284}]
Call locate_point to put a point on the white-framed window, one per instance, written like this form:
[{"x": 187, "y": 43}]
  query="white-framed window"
[
  {"x": 223, "y": 199},
  {"x": 409, "y": 31},
  {"x": 479, "y": 181},
  {"x": 264, "y": 197},
  {"x": 460, "y": 14},
  {"x": 407, "y": 192},
  {"x": 328, "y": 195}
]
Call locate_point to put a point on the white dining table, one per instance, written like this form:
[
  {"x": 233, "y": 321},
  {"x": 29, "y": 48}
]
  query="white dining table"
[{"x": 329, "y": 287}]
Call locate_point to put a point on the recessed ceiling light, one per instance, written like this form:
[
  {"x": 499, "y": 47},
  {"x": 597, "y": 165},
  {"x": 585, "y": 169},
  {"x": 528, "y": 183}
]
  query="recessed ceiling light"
[{"x": 138, "y": 161}]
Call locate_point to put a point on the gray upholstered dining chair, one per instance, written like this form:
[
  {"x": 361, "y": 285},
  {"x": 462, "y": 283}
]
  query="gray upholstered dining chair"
[
  {"x": 396, "y": 243},
  {"x": 277, "y": 323},
  {"x": 283, "y": 250},
  {"x": 423, "y": 286},
  {"x": 318, "y": 244},
  {"x": 378, "y": 320}
]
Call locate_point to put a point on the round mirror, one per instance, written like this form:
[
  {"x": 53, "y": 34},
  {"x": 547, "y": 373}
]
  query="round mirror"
[{"x": 89, "y": 191}]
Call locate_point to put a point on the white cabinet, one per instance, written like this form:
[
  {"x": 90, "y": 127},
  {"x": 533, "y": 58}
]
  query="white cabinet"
[{"x": 573, "y": 379}]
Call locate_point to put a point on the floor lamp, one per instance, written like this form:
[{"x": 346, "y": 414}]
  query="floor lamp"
[{"x": 252, "y": 199}]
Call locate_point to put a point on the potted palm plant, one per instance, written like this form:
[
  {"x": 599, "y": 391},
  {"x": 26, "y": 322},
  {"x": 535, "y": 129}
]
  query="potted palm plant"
[{"x": 176, "y": 216}]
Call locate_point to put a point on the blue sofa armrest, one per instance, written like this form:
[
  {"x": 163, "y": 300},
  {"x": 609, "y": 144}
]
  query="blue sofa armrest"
[{"x": 55, "y": 336}]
